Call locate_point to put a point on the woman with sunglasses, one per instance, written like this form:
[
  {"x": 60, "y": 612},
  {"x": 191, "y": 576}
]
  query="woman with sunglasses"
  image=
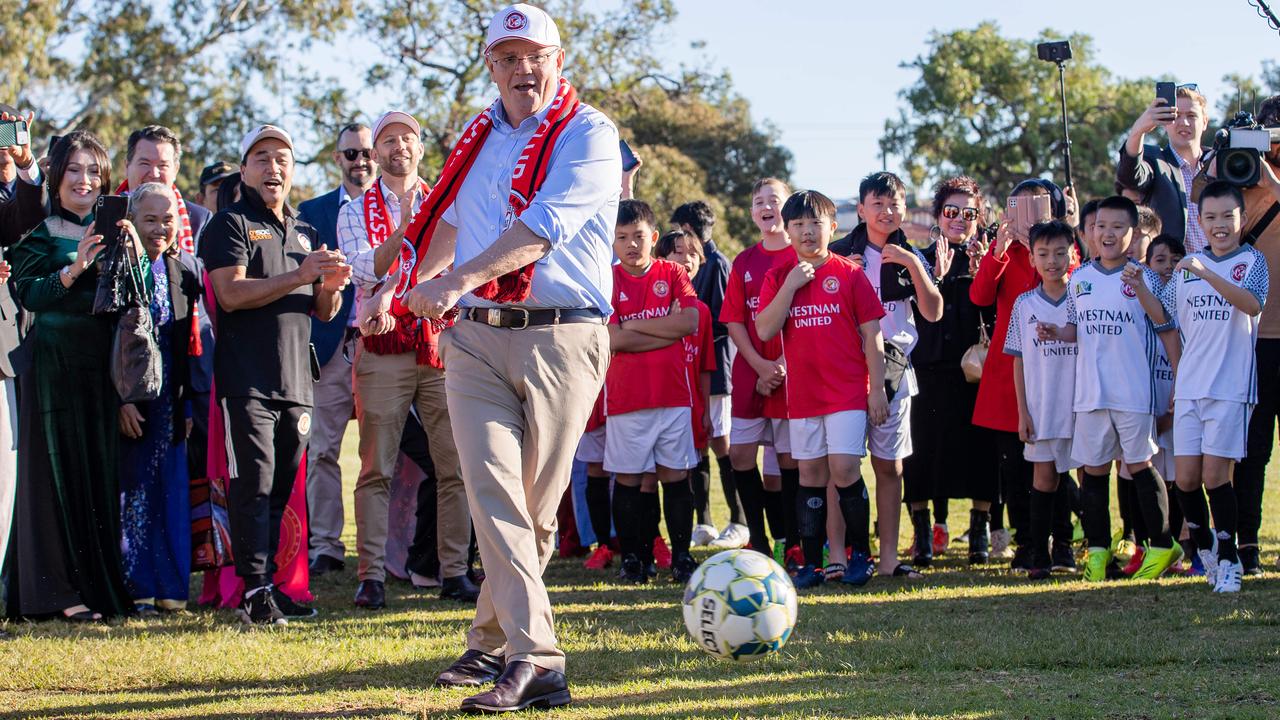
[{"x": 952, "y": 459}]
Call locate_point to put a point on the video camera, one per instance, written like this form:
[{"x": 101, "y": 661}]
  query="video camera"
[{"x": 1238, "y": 150}]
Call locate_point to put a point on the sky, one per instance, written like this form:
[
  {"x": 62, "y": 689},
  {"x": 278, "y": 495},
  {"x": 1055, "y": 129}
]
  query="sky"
[{"x": 832, "y": 114}]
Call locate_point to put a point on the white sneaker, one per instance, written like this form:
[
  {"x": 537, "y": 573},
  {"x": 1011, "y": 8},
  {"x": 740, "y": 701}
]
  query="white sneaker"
[
  {"x": 734, "y": 536},
  {"x": 1209, "y": 560},
  {"x": 1000, "y": 544},
  {"x": 703, "y": 535},
  {"x": 1229, "y": 576}
]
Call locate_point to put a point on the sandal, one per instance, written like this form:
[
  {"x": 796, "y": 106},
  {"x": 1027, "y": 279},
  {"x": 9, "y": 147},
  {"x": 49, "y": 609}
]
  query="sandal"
[
  {"x": 84, "y": 615},
  {"x": 904, "y": 570}
]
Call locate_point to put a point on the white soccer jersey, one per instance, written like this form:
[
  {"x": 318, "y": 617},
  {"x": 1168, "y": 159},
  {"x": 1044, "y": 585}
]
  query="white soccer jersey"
[
  {"x": 1048, "y": 367},
  {"x": 1164, "y": 380},
  {"x": 898, "y": 324},
  {"x": 1115, "y": 369},
  {"x": 1218, "y": 362}
]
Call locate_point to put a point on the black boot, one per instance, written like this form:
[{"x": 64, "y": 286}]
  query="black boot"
[
  {"x": 922, "y": 551},
  {"x": 979, "y": 537}
]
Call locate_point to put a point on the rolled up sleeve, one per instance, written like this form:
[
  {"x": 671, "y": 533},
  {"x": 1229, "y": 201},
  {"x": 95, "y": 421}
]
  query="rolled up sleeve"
[
  {"x": 354, "y": 244},
  {"x": 585, "y": 174}
]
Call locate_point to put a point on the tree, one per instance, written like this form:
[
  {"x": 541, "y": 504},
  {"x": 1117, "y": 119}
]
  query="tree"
[
  {"x": 985, "y": 106},
  {"x": 1248, "y": 90}
]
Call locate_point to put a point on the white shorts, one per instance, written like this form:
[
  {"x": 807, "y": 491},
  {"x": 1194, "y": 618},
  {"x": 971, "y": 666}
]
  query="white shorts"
[
  {"x": 1211, "y": 427},
  {"x": 591, "y": 446},
  {"x": 761, "y": 431},
  {"x": 840, "y": 433},
  {"x": 639, "y": 441},
  {"x": 1105, "y": 435},
  {"x": 1057, "y": 451},
  {"x": 891, "y": 440},
  {"x": 770, "y": 465},
  {"x": 720, "y": 418}
]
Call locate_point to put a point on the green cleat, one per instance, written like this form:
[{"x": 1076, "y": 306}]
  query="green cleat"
[
  {"x": 1095, "y": 564},
  {"x": 1157, "y": 562}
]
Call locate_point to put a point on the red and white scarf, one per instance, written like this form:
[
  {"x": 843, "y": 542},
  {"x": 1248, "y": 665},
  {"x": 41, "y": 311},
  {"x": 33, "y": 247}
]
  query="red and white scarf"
[
  {"x": 186, "y": 243},
  {"x": 527, "y": 177},
  {"x": 407, "y": 336}
]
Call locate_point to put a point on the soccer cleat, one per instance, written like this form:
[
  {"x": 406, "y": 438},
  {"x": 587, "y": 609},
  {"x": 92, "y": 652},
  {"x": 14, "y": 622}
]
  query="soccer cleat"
[
  {"x": 600, "y": 559},
  {"x": 1062, "y": 558},
  {"x": 794, "y": 557},
  {"x": 682, "y": 567},
  {"x": 833, "y": 572},
  {"x": 1039, "y": 573},
  {"x": 780, "y": 551},
  {"x": 941, "y": 538},
  {"x": 1095, "y": 564},
  {"x": 859, "y": 570},
  {"x": 1077, "y": 534},
  {"x": 808, "y": 577},
  {"x": 1229, "y": 576},
  {"x": 1197, "y": 567},
  {"x": 1250, "y": 560},
  {"x": 703, "y": 535},
  {"x": 289, "y": 608},
  {"x": 633, "y": 571},
  {"x": 1156, "y": 561},
  {"x": 1208, "y": 560},
  {"x": 661, "y": 553},
  {"x": 734, "y": 536},
  {"x": 1022, "y": 558},
  {"x": 1000, "y": 545},
  {"x": 1135, "y": 562},
  {"x": 260, "y": 609}
]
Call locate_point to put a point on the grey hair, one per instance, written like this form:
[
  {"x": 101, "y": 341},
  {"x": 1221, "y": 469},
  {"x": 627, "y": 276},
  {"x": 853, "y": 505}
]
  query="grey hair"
[{"x": 146, "y": 190}]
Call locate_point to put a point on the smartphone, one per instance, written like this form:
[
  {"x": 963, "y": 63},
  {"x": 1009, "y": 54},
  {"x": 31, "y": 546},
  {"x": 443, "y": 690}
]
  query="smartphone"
[
  {"x": 1027, "y": 210},
  {"x": 110, "y": 209},
  {"x": 13, "y": 133},
  {"x": 1168, "y": 92},
  {"x": 629, "y": 159}
]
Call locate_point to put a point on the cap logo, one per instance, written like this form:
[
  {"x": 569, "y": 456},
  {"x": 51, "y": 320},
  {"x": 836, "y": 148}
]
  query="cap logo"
[{"x": 515, "y": 21}]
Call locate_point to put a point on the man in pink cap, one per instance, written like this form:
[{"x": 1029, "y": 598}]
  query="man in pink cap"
[
  {"x": 524, "y": 212},
  {"x": 397, "y": 365}
]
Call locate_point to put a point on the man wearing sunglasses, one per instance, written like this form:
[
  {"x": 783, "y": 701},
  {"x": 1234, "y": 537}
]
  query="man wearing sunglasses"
[
  {"x": 333, "y": 396},
  {"x": 1164, "y": 174}
]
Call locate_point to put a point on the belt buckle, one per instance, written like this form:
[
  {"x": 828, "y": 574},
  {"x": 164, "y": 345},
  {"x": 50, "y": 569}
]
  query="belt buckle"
[{"x": 526, "y": 317}]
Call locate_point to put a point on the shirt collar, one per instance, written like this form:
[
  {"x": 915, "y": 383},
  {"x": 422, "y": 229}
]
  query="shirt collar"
[
  {"x": 500, "y": 117},
  {"x": 343, "y": 196}
]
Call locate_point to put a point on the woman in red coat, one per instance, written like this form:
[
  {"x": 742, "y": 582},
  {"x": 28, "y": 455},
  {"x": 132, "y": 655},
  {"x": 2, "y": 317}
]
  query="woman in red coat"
[{"x": 1004, "y": 274}]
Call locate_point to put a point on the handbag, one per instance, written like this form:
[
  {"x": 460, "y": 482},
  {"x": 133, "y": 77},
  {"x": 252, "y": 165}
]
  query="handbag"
[
  {"x": 137, "y": 370},
  {"x": 976, "y": 356},
  {"x": 114, "y": 288}
]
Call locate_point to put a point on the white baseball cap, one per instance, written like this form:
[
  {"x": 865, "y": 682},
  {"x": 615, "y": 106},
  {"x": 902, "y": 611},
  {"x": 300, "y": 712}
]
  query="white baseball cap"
[
  {"x": 524, "y": 22},
  {"x": 263, "y": 132},
  {"x": 395, "y": 116}
]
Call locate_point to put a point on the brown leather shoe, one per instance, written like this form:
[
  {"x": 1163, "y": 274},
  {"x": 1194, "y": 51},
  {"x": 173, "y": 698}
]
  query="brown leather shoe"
[
  {"x": 521, "y": 685},
  {"x": 473, "y": 669}
]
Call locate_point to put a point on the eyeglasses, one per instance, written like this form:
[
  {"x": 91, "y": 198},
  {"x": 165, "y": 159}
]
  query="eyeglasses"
[
  {"x": 511, "y": 62},
  {"x": 352, "y": 153},
  {"x": 951, "y": 211},
  {"x": 1189, "y": 86}
]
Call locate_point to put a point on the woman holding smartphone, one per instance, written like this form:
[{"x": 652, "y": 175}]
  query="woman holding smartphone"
[{"x": 65, "y": 543}]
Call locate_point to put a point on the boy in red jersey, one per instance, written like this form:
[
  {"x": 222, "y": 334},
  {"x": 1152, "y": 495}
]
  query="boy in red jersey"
[
  {"x": 759, "y": 402},
  {"x": 648, "y": 398},
  {"x": 828, "y": 314}
]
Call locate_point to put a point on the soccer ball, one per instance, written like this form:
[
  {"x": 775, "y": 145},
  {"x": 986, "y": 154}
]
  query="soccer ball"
[{"x": 739, "y": 605}]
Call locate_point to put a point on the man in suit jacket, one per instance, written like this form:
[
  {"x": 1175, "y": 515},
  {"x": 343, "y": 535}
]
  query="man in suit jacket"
[{"x": 333, "y": 395}]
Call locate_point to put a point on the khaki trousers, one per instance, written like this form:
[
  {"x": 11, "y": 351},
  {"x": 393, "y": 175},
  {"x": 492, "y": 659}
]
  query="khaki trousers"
[
  {"x": 385, "y": 386},
  {"x": 519, "y": 400},
  {"x": 333, "y": 398}
]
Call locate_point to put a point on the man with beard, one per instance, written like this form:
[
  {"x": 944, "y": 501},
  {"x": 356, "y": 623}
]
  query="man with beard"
[
  {"x": 353, "y": 155},
  {"x": 397, "y": 365}
]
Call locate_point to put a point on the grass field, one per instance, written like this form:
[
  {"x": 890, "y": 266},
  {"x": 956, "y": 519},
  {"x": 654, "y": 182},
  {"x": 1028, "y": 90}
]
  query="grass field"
[{"x": 960, "y": 644}]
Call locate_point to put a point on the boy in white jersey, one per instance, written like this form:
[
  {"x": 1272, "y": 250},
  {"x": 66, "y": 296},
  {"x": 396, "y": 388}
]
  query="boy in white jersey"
[
  {"x": 1218, "y": 295},
  {"x": 1044, "y": 380},
  {"x": 1119, "y": 321},
  {"x": 900, "y": 276}
]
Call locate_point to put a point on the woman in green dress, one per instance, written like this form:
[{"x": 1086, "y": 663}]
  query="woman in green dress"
[{"x": 65, "y": 542}]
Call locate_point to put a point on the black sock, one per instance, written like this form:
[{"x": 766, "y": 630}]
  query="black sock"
[
  {"x": 773, "y": 512},
  {"x": 790, "y": 485},
  {"x": 700, "y": 483},
  {"x": 1042, "y": 514},
  {"x": 1096, "y": 515},
  {"x": 995, "y": 517},
  {"x": 627, "y": 518},
  {"x": 751, "y": 492},
  {"x": 1135, "y": 522},
  {"x": 1154, "y": 506},
  {"x": 651, "y": 515},
  {"x": 1063, "y": 499},
  {"x": 1196, "y": 512},
  {"x": 599, "y": 508},
  {"x": 677, "y": 508},
  {"x": 856, "y": 508},
  {"x": 1226, "y": 520},
  {"x": 811, "y": 522},
  {"x": 1175, "y": 510},
  {"x": 940, "y": 510},
  {"x": 729, "y": 484}
]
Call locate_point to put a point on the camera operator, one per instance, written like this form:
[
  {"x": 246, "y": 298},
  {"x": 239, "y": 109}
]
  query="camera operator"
[
  {"x": 1164, "y": 173},
  {"x": 1262, "y": 230}
]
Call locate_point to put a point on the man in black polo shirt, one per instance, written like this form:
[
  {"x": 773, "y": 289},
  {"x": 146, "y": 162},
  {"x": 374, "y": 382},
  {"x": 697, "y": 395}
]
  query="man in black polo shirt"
[{"x": 269, "y": 280}]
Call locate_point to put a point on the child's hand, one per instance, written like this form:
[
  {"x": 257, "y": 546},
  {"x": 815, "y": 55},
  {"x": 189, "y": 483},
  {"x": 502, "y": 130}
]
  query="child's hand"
[
  {"x": 766, "y": 386},
  {"x": 799, "y": 276},
  {"x": 897, "y": 256},
  {"x": 1048, "y": 331},
  {"x": 877, "y": 406},
  {"x": 1164, "y": 423},
  {"x": 858, "y": 260},
  {"x": 1026, "y": 429},
  {"x": 1132, "y": 276},
  {"x": 1192, "y": 265}
]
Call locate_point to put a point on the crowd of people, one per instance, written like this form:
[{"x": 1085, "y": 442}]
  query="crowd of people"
[{"x": 1133, "y": 330}]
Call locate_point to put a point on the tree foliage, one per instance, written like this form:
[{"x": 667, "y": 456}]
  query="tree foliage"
[{"x": 984, "y": 105}]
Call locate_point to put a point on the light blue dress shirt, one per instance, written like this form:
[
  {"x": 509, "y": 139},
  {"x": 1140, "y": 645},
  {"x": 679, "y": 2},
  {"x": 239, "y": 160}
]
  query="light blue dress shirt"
[{"x": 575, "y": 209}]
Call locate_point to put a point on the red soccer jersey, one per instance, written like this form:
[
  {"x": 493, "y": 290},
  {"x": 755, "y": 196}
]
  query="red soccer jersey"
[
  {"x": 826, "y": 368},
  {"x": 656, "y": 378},
  {"x": 741, "y": 305},
  {"x": 699, "y": 356}
]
